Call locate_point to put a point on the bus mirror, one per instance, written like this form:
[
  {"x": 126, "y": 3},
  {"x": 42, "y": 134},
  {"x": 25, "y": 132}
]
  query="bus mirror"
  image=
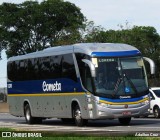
[
  {"x": 91, "y": 66},
  {"x": 152, "y": 64}
]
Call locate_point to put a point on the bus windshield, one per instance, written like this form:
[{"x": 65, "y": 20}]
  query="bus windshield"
[{"x": 117, "y": 77}]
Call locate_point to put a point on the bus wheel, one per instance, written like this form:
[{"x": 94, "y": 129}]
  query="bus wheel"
[
  {"x": 28, "y": 116},
  {"x": 78, "y": 118},
  {"x": 125, "y": 121},
  {"x": 156, "y": 112}
]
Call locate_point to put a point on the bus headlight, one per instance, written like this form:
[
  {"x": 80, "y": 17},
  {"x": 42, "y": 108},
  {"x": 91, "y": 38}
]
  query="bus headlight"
[{"x": 103, "y": 104}]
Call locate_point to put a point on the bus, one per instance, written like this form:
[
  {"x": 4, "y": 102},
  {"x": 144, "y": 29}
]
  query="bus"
[{"x": 80, "y": 82}]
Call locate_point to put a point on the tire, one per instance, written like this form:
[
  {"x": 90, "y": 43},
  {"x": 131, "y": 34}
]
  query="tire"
[
  {"x": 79, "y": 121},
  {"x": 125, "y": 121},
  {"x": 156, "y": 112},
  {"x": 28, "y": 116}
]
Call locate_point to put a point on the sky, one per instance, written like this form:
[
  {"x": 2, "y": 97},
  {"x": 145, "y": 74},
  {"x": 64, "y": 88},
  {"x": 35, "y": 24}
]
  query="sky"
[{"x": 109, "y": 14}]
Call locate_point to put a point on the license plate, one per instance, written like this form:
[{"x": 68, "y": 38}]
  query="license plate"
[{"x": 126, "y": 113}]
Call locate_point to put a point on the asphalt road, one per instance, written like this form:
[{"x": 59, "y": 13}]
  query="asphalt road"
[{"x": 100, "y": 127}]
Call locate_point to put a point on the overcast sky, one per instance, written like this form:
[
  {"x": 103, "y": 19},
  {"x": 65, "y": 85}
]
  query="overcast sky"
[{"x": 110, "y": 13}]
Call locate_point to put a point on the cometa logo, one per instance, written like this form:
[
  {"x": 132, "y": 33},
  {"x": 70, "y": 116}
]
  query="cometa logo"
[{"x": 51, "y": 87}]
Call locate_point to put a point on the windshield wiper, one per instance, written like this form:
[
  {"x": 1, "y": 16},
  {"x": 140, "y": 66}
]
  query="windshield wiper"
[
  {"x": 117, "y": 86},
  {"x": 131, "y": 83},
  {"x": 120, "y": 79}
]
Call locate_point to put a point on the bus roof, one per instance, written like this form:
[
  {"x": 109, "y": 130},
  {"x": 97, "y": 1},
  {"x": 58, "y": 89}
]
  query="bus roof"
[{"x": 92, "y": 49}]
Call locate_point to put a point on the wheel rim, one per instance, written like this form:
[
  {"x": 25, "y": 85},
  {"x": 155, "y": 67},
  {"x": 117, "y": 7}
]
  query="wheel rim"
[
  {"x": 28, "y": 115},
  {"x": 78, "y": 115}
]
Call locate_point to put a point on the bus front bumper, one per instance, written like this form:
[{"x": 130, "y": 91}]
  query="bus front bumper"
[{"x": 121, "y": 111}]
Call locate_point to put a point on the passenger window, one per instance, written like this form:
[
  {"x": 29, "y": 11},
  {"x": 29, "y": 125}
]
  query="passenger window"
[
  {"x": 22, "y": 70},
  {"x": 68, "y": 67},
  {"x": 56, "y": 66},
  {"x": 30, "y": 70},
  {"x": 45, "y": 68},
  {"x": 11, "y": 68},
  {"x": 42, "y": 68}
]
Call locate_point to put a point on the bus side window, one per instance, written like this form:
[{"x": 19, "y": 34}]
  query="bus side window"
[
  {"x": 68, "y": 68},
  {"x": 17, "y": 77},
  {"x": 45, "y": 68},
  {"x": 37, "y": 68},
  {"x": 11, "y": 68},
  {"x": 56, "y": 66},
  {"x": 30, "y": 70},
  {"x": 22, "y": 70}
]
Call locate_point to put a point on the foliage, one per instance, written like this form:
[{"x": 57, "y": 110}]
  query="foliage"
[
  {"x": 33, "y": 26},
  {"x": 91, "y": 32}
]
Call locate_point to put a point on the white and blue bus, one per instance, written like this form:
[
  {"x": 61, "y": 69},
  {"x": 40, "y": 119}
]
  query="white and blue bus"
[{"x": 82, "y": 82}]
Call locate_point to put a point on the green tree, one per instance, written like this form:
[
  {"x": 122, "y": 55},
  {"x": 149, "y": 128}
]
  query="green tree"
[
  {"x": 33, "y": 26},
  {"x": 92, "y": 33}
]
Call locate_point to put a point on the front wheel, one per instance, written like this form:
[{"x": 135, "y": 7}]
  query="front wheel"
[
  {"x": 78, "y": 118},
  {"x": 125, "y": 121}
]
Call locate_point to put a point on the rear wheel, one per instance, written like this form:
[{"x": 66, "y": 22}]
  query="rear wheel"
[
  {"x": 78, "y": 118},
  {"x": 28, "y": 116},
  {"x": 125, "y": 121},
  {"x": 156, "y": 112}
]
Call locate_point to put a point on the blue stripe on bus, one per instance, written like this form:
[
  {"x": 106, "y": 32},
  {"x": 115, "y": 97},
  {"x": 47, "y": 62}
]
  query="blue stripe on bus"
[
  {"x": 122, "y": 100},
  {"x": 116, "y": 54},
  {"x": 36, "y": 86}
]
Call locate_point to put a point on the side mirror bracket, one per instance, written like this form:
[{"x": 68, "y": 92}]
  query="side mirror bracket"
[{"x": 152, "y": 64}]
